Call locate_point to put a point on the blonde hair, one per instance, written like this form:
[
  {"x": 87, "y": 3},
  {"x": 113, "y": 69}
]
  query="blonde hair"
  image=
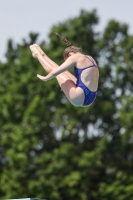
[{"x": 69, "y": 48}]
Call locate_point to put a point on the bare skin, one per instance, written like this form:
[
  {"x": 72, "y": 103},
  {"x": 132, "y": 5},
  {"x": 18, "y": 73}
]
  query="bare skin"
[
  {"x": 65, "y": 79},
  {"x": 38, "y": 53}
]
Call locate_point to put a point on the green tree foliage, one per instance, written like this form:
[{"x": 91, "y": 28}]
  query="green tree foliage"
[{"x": 51, "y": 149}]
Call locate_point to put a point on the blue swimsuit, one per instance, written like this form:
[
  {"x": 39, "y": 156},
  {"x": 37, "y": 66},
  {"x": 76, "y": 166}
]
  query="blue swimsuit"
[{"x": 89, "y": 95}]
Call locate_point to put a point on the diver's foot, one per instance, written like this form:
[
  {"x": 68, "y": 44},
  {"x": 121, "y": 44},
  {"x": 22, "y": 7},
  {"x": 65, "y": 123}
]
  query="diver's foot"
[
  {"x": 34, "y": 51},
  {"x": 39, "y": 49}
]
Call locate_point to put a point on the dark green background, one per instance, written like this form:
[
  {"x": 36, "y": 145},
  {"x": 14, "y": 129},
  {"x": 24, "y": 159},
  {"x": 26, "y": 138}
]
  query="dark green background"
[{"x": 51, "y": 149}]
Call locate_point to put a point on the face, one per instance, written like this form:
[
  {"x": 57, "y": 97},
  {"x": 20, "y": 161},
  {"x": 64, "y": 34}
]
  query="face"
[{"x": 66, "y": 57}]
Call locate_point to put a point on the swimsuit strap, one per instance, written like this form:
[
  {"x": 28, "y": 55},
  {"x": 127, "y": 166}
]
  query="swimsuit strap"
[
  {"x": 92, "y": 61},
  {"x": 93, "y": 65}
]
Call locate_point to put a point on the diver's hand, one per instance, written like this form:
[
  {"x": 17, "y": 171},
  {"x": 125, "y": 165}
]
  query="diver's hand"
[{"x": 43, "y": 78}]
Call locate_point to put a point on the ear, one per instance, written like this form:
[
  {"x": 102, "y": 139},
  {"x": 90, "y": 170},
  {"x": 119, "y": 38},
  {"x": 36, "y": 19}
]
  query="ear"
[{"x": 69, "y": 54}]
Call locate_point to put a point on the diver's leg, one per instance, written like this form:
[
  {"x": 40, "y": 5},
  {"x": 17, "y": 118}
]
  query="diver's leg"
[
  {"x": 73, "y": 93},
  {"x": 50, "y": 65}
]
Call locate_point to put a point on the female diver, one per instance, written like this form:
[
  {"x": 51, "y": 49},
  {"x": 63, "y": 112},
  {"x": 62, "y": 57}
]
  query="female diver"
[{"x": 80, "y": 88}]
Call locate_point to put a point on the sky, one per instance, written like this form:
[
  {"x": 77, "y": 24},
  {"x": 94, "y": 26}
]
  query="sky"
[{"x": 18, "y": 18}]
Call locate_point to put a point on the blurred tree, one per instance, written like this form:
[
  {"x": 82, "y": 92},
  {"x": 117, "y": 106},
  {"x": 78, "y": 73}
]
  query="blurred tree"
[{"x": 51, "y": 149}]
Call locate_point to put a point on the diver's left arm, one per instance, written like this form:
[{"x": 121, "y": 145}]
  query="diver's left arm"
[{"x": 71, "y": 61}]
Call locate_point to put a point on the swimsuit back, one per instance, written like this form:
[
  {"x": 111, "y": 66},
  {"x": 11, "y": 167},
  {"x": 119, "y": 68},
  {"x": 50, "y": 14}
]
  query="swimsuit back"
[
  {"x": 89, "y": 95},
  {"x": 77, "y": 71}
]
